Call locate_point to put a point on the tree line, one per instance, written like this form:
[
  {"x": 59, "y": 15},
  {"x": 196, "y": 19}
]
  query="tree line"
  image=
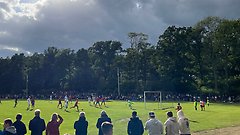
[{"x": 203, "y": 58}]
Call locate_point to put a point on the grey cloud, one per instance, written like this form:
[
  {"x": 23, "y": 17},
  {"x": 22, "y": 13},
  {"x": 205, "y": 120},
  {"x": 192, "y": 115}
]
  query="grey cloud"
[{"x": 80, "y": 23}]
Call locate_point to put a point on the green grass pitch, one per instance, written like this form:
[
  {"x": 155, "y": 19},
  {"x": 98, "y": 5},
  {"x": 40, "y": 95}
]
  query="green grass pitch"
[{"x": 215, "y": 116}]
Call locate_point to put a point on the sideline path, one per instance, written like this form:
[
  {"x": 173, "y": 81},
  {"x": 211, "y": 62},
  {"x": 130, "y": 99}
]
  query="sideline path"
[{"x": 235, "y": 130}]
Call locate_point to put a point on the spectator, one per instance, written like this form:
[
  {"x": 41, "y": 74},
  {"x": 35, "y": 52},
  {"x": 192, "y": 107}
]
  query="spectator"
[
  {"x": 107, "y": 128},
  {"x": 19, "y": 125},
  {"x": 153, "y": 125},
  {"x": 54, "y": 124},
  {"x": 171, "y": 125},
  {"x": 81, "y": 125},
  {"x": 37, "y": 124},
  {"x": 104, "y": 118},
  {"x": 8, "y": 128},
  {"x": 183, "y": 122},
  {"x": 135, "y": 126}
]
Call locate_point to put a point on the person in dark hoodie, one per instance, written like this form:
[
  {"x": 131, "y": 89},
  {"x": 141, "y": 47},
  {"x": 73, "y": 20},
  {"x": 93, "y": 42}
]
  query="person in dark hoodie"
[
  {"x": 104, "y": 118},
  {"x": 81, "y": 125},
  {"x": 135, "y": 126},
  {"x": 9, "y": 129},
  {"x": 37, "y": 125},
  {"x": 19, "y": 125}
]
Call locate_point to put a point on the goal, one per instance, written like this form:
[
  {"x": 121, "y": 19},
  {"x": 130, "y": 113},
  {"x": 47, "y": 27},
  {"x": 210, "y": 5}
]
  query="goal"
[{"x": 153, "y": 100}]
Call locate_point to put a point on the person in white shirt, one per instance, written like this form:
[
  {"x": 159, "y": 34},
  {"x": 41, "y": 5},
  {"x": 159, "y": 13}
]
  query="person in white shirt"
[
  {"x": 153, "y": 125},
  {"x": 183, "y": 123},
  {"x": 29, "y": 103},
  {"x": 171, "y": 125}
]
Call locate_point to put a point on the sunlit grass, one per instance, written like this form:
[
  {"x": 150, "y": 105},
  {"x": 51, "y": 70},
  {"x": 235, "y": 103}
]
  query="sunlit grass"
[{"x": 215, "y": 116}]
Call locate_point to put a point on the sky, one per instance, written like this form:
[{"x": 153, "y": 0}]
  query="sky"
[{"x": 29, "y": 26}]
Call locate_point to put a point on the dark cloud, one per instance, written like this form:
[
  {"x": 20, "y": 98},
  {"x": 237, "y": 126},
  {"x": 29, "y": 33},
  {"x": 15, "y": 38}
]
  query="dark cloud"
[{"x": 33, "y": 25}]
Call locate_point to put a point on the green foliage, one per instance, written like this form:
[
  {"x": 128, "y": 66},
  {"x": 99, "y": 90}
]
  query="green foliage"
[{"x": 200, "y": 59}]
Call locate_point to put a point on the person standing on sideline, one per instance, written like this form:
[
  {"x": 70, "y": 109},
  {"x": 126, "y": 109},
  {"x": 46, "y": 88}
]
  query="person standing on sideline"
[
  {"x": 183, "y": 122},
  {"x": 54, "y": 124},
  {"x": 81, "y": 125},
  {"x": 104, "y": 118},
  {"x": 171, "y": 125},
  {"x": 135, "y": 126},
  {"x": 37, "y": 124},
  {"x": 107, "y": 128},
  {"x": 153, "y": 125},
  {"x": 8, "y": 128},
  {"x": 19, "y": 125}
]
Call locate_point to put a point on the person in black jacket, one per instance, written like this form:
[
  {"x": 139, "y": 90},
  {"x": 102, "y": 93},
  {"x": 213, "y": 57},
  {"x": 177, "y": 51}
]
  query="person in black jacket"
[
  {"x": 37, "y": 124},
  {"x": 19, "y": 125},
  {"x": 135, "y": 126},
  {"x": 104, "y": 118},
  {"x": 81, "y": 125}
]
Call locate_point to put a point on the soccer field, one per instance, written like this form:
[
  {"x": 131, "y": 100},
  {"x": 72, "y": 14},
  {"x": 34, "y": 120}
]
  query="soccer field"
[{"x": 215, "y": 116}]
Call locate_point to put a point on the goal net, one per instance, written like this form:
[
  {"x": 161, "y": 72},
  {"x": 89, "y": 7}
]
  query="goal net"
[{"x": 153, "y": 100}]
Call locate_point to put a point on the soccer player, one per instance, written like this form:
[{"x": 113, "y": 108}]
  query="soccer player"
[
  {"x": 103, "y": 101},
  {"x": 89, "y": 100},
  {"x": 179, "y": 107},
  {"x": 202, "y": 105},
  {"x": 15, "y": 102},
  {"x": 33, "y": 102},
  {"x": 50, "y": 98},
  {"x": 94, "y": 100},
  {"x": 59, "y": 102},
  {"x": 130, "y": 103},
  {"x": 75, "y": 105},
  {"x": 66, "y": 98},
  {"x": 29, "y": 102},
  {"x": 195, "y": 104},
  {"x": 98, "y": 102},
  {"x": 208, "y": 102},
  {"x": 66, "y": 105}
]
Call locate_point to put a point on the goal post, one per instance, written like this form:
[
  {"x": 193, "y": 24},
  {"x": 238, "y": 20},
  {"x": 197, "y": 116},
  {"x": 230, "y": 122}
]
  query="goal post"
[{"x": 157, "y": 100}]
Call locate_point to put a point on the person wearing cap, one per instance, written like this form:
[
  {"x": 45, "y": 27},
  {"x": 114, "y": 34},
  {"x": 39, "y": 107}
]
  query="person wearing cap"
[
  {"x": 171, "y": 125},
  {"x": 104, "y": 118},
  {"x": 37, "y": 124},
  {"x": 135, "y": 126},
  {"x": 153, "y": 125},
  {"x": 107, "y": 128},
  {"x": 183, "y": 122},
  {"x": 81, "y": 125},
  {"x": 19, "y": 125},
  {"x": 54, "y": 124}
]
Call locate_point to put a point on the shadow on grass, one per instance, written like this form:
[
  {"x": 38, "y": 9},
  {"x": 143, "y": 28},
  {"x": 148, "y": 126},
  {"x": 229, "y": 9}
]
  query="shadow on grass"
[{"x": 194, "y": 121}]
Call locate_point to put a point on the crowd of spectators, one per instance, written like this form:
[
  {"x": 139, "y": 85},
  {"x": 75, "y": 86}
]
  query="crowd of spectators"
[{"x": 37, "y": 126}]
